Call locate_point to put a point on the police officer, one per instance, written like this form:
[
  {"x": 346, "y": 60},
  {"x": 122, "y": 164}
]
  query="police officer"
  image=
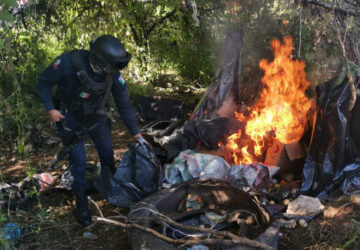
[{"x": 84, "y": 80}]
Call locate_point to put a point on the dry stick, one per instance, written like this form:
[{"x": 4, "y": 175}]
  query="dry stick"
[
  {"x": 342, "y": 207},
  {"x": 356, "y": 47},
  {"x": 117, "y": 217},
  {"x": 341, "y": 41},
  {"x": 97, "y": 206},
  {"x": 46, "y": 228},
  {"x": 67, "y": 233},
  {"x": 339, "y": 37},
  {"x": 346, "y": 28},
  {"x": 241, "y": 241},
  {"x": 8, "y": 210},
  {"x": 332, "y": 7},
  {"x": 232, "y": 236},
  {"x": 205, "y": 230},
  {"x": 299, "y": 51}
]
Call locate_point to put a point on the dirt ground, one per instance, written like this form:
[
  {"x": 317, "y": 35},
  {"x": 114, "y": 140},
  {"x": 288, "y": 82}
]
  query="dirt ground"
[{"x": 49, "y": 223}]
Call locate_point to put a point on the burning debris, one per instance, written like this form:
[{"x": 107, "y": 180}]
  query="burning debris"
[
  {"x": 280, "y": 114},
  {"x": 227, "y": 145}
]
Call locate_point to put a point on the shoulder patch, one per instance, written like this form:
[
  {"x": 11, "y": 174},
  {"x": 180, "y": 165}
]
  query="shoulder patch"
[
  {"x": 121, "y": 79},
  {"x": 56, "y": 63}
]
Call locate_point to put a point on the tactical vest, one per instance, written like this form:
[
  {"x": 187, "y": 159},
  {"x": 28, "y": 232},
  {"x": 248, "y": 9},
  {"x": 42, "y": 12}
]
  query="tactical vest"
[{"x": 91, "y": 96}]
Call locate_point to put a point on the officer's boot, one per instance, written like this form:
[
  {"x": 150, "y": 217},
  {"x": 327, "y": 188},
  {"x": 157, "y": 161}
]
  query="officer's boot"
[{"x": 82, "y": 213}]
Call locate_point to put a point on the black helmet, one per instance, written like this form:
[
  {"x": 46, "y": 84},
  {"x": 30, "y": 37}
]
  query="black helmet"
[{"x": 108, "y": 53}]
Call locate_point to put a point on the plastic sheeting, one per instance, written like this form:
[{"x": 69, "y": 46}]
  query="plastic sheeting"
[
  {"x": 208, "y": 123},
  {"x": 226, "y": 89},
  {"x": 347, "y": 180},
  {"x": 332, "y": 146},
  {"x": 349, "y": 177},
  {"x": 136, "y": 177},
  {"x": 254, "y": 175},
  {"x": 189, "y": 165}
]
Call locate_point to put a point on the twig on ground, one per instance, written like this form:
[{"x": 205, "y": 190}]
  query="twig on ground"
[
  {"x": 117, "y": 217},
  {"x": 342, "y": 207},
  {"x": 299, "y": 51},
  {"x": 46, "y": 228},
  {"x": 240, "y": 240},
  {"x": 9, "y": 203},
  {"x": 97, "y": 206},
  {"x": 67, "y": 233},
  {"x": 200, "y": 229}
]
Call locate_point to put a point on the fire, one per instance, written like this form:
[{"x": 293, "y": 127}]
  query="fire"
[{"x": 280, "y": 112}]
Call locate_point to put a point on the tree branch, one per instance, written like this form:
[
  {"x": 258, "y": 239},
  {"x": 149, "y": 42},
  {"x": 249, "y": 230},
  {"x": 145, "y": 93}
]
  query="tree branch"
[
  {"x": 332, "y": 8},
  {"x": 132, "y": 28},
  {"x": 241, "y": 241},
  {"x": 159, "y": 22}
]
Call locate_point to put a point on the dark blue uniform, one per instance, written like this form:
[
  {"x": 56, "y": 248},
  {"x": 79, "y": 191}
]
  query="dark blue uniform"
[{"x": 62, "y": 73}]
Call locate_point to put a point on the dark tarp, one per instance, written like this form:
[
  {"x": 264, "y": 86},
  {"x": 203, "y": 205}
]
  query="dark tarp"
[
  {"x": 332, "y": 146},
  {"x": 137, "y": 176}
]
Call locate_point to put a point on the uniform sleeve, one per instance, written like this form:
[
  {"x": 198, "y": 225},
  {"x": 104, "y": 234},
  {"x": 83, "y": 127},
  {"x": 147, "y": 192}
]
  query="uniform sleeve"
[
  {"x": 123, "y": 104},
  {"x": 51, "y": 76}
]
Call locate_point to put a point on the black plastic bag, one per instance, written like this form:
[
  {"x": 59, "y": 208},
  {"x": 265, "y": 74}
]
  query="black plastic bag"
[
  {"x": 347, "y": 181},
  {"x": 17, "y": 195},
  {"x": 137, "y": 176},
  {"x": 332, "y": 146}
]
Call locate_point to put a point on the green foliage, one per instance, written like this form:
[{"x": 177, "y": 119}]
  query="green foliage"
[
  {"x": 10, "y": 3},
  {"x": 137, "y": 90},
  {"x": 3, "y": 218},
  {"x": 162, "y": 36},
  {"x": 6, "y": 16},
  {"x": 352, "y": 239}
]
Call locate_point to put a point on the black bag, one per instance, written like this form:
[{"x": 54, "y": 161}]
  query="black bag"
[
  {"x": 136, "y": 177},
  {"x": 16, "y": 196},
  {"x": 332, "y": 146}
]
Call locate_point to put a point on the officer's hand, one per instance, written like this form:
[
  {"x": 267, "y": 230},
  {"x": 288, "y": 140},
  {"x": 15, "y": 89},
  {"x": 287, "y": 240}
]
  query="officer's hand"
[{"x": 55, "y": 115}]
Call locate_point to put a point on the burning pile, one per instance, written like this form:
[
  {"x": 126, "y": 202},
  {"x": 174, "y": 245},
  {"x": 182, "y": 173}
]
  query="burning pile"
[{"x": 280, "y": 113}]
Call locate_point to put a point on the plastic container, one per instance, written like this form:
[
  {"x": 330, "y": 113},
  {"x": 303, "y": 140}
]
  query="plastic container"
[{"x": 9, "y": 234}]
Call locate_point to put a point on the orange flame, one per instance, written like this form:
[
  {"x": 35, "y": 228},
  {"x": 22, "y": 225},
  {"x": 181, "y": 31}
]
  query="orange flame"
[{"x": 281, "y": 110}]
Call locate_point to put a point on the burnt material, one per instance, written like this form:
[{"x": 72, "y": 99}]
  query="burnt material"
[{"x": 208, "y": 132}]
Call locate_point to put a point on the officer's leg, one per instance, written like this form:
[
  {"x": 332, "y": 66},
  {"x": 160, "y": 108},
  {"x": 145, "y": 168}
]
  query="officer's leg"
[
  {"x": 101, "y": 136},
  {"x": 77, "y": 158},
  {"x": 78, "y": 169}
]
